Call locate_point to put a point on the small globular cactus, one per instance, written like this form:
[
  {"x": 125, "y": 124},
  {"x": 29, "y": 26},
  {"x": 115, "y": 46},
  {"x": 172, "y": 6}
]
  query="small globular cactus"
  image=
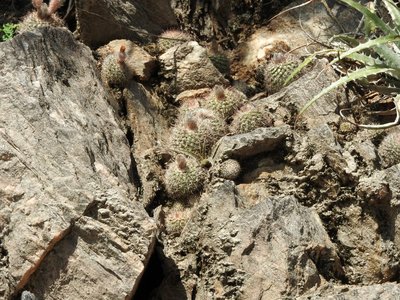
[
  {"x": 225, "y": 102},
  {"x": 184, "y": 177},
  {"x": 44, "y": 15},
  {"x": 250, "y": 118},
  {"x": 229, "y": 169},
  {"x": 172, "y": 38},
  {"x": 197, "y": 132},
  {"x": 389, "y": 149},
  {"x": 114, "y": 71},
  {"x": 277, "y": 72},
  {"x": 176, "y": 219}
]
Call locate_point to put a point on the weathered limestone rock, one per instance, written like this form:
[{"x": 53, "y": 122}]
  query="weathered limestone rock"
[
  {"x": 245, "y": 145},
  {"x": 149, "y": 133},
  {"x": 100, "y": 21},
  {"x": 70, "y": 225},
  {"x": 386, "y": 291},
  {"x": 244, "y": 244},
  {"x": 188, "y": 68}
]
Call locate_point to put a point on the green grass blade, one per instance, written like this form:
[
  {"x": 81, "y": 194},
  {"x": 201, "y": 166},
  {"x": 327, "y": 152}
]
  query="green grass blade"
[
  {"x": 364, "y": 72},
  {"x": 371, "y": 16},
  {"x": 367, "y": 45}
]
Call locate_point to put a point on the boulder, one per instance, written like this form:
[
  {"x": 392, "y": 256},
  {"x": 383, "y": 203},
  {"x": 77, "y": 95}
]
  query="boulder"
[
  {"x": 71, "y": 227},
  {"x": 100, "y": 21}
]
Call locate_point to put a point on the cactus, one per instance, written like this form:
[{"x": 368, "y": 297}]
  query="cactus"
[
  {"x": 172, "y": 38},
  {"x": 221, "y": 62},
  {"x": 114, "y": 71},
  {"x": 276, "y": 74},
  {"x": 389, "y": 149},
  {"x": 184, "y": 177},
  {"x": 176, "y": 219},
  {"x": 225, "y": 102},
  {"x": 229, "y": 169},
  {"x": 44, "y": 15},
  {"x": 250, "y": 118},
  {"x": 197, "y": 132}
]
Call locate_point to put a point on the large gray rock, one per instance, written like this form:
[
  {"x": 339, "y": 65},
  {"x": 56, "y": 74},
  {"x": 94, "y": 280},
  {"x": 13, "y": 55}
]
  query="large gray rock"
[
  {"x": 70, "y": 225},
  {"x": 100, "y": 21},
  {"x": 245, "y": 244},
  {"x": 187, "y": 67}
]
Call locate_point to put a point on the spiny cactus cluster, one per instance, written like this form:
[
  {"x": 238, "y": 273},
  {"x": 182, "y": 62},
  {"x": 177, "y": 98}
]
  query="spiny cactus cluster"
[
  {"x": 172, "y": 38},
  {"x": 197, "y": 132},
  {"x": 184, "y": 177},
  {"x": 389, "y": 149},
  {"x": 250, "y": 118},
  {"x": 114, "y": 71},
  {"x": 277, "y": 72},
  {"x": 44, "y": 15},
  {"x": 225, "y": 102},
  {"x": 198, "y": 129}
]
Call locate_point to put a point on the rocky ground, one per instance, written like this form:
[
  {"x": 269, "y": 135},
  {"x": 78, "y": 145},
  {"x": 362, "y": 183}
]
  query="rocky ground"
[{"x": 136, "y": 184}]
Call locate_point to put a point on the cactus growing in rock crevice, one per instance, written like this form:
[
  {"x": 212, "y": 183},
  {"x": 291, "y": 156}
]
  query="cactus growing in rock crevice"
[
  {"x": 276, "y": 75},
  {"x": 250, "y": 118},
  {"x": 184, "y": 177},
  {"x": 229, "y": 169},
  {"x": 196, "y": 133},
  {"x": 44, "y": 15},
  {"x": 114, "y": 71},
  {"x": 225, "y": 102}
]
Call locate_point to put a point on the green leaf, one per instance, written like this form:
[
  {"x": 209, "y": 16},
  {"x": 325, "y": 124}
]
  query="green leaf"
[
  {"x": 373, "y": 17},
  {"x": 394, "y": 13},
  {"x": 390, "y": 58},
  {"x": 364, "y": 72},
  {"x": 365, "y": 59},
  {"x": 369, "y": 44}
]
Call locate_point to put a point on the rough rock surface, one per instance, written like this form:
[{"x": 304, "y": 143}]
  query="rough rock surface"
[
  {"x": 386, "y": 291},
  {"x": 100, "y": 21},
  {"x": 240, "y": 244},
  {"x": 70, "y": 225},
  {"x": 188, "y": 68}
]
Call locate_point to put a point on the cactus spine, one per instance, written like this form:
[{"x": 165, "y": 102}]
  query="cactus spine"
[
  {"x": 114, "y": 71},
  {"x": 44, "y": 15},
  {"x": 183, "y": 177}
]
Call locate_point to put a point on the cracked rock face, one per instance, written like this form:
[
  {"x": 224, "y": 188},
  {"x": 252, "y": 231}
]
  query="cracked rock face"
[{"x": 70, "y": 225}]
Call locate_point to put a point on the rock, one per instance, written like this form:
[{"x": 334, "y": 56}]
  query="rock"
[
  {"x": 386, "y": 291},
  {"x": 99, "y": 22},
  {"x": 240, "y": 248},
  {"x": 228, "y": 20},
  {"x": 140, "y": 63},
  {"x": 284, "y": 33},
  {"x": 188, "y": 67},
  {"x": 63, "y": 157},
  {"x": 245, "y": 145},
  {"x": 149, "y": 132}
]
